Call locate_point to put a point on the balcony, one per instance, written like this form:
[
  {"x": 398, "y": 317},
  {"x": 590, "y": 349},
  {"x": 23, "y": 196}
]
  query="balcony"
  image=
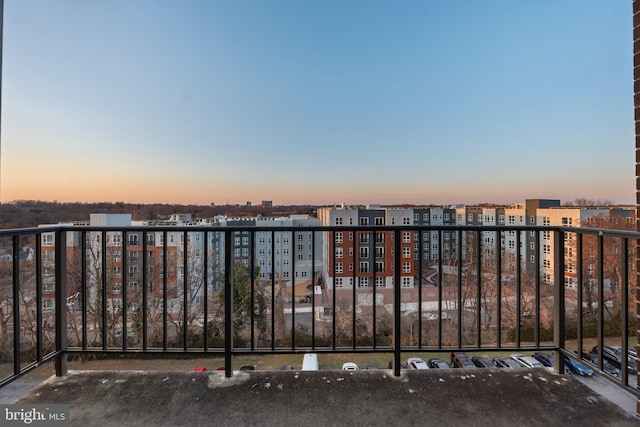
[{"x": 559, "y": 290}]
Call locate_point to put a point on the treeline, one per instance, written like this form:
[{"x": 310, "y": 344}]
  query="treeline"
[{"x": 31, "y": 213}]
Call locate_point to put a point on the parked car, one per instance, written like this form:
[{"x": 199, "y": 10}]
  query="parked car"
[
  {"x": 506, "y": 362},
  {"x": 438, "y": 363},
  {"x": 461, "y": 360},
  {"x": 606, "y": 366},
  {"x": 350, "y": 366},
  {"x": 481, "y": 362},
  {"x": 371, "y": 366},
  {"x": 577, "y": 367},
  {"x": 527, "y": 361},
  {"x": 544, "y": 358},
  {"x": 613, "y": 355},
  {"x": 416, "y": 363}
]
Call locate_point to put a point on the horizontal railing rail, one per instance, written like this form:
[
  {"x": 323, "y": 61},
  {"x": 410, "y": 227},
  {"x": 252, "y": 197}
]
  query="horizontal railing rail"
[{"x": 233, "y": 290}]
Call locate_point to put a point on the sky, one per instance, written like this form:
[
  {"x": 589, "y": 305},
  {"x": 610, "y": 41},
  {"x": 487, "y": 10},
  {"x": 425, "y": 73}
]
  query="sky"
[{"x": 301, "y": 102}]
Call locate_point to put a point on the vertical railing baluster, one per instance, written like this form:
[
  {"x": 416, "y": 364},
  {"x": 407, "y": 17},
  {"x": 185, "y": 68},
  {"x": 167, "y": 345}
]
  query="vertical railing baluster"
[
  {"x": 440, "y": 277},
  {"x": 165, "y": 291},
  {"x": 252, "y": 281},
  {"x": 459, "y": 296},
  {"x": 624, "y": 293},
  {"x": 39, "y": 282},
  {"x": 205, "y": 279},
  {"x": 479, "y": 291},
  {"x": 601, "y": 294},
  {"x": 356, "y": 268},
  {"x": 125, "y": 290},
  {"x": 145, "y": 293},
  {"x": 103, "y": 291},
  {"x": 83, "y": 282},
  {"x": 273, "y": 290},
  {"x": 518, "y": 288},
  {"x": 559, "y": 313},
  {"x": 536, "y": 254},
  {"x": 420, "y": 274},
  {"x": 499, "y": 291},
  {"x": 397, "y": 295},
  {"x": 61, "y": 302},
  {"x": 228, "y": 306},
  {"x": 580, "y": 286},
  {"x": 16, "y": 303},
  {"x": 293, "y": 290},
  {"x": 313, "y": 290},
  {"x": 333, "y": 307},
  {"x": 185, "y": 290}
]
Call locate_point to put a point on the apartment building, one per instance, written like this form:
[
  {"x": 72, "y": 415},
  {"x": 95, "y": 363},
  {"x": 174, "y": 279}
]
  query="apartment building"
[{"x": 364, "y": 259}]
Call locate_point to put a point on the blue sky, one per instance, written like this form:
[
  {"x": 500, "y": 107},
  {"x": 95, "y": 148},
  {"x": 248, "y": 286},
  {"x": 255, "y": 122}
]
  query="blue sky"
[{"x": 317, "y": 102}]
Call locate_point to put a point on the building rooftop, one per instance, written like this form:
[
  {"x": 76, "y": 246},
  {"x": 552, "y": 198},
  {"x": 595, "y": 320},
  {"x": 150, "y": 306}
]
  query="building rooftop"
[{"x": 451, "y": 397}]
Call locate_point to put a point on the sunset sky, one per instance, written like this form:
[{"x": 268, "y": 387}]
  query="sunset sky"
[{"x": 300, "y": 102}]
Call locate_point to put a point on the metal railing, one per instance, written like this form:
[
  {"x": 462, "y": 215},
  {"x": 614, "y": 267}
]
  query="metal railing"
[{"x": 266, "y": 290}]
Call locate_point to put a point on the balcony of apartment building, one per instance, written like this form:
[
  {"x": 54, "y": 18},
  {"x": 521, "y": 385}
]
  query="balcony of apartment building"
[{"x": 567, "y": 292}]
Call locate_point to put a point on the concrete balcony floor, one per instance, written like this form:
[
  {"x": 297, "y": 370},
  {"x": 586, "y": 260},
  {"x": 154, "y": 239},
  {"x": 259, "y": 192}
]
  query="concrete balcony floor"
[{"x": 448, "y": 397}]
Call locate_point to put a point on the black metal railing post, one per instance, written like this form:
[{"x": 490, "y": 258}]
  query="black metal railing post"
[
  {"x": 61, "y": 302},
  {"x": 559, "y": 303},
  {"x": 228, "y": 306},
  {"x": 16, "y": 304},
  {"x": 397, "y": 295}
]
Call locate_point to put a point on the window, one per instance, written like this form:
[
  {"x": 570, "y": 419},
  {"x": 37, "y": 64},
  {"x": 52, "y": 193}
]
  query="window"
[
  {"x": 364, "y": 252},
  {"x": 151, "y": 239},
  {"x": 406, "y": 282},
  {"x": 133, "y": 270},
  {"x": 338, "y": 237},
  {"x": 338, "y": 267},
  {"x": 338, "y": 282},
  {"x": 379, "y": 252},
  {"x": 546, "y": 220},
  {"x": 425, "y": 218},
  {"x": 406, "y": 237},
  {"x": 338, "y": 252},
  {"x": 406, "y": 252},
  {"x": 47, "y": 240},
  {"x": 364, "y": 267},
  {"x": 364, "y": 238},
  {"x": 379, "y": 237},
  {"x": 339, "y": 222},
  {"x": 364, "y": 221},
  {"x": 48, "y": 304},
  {"x": 406, "y": 221},
  {"x": 363, "y": 282},
  {"x": 379, "y": 282},
  {"x": 379, "y": 267},
  {"x": 406, "y": 267},
  {"x": 300, "y": 237},
  {"x": 379, "y": 220}
]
